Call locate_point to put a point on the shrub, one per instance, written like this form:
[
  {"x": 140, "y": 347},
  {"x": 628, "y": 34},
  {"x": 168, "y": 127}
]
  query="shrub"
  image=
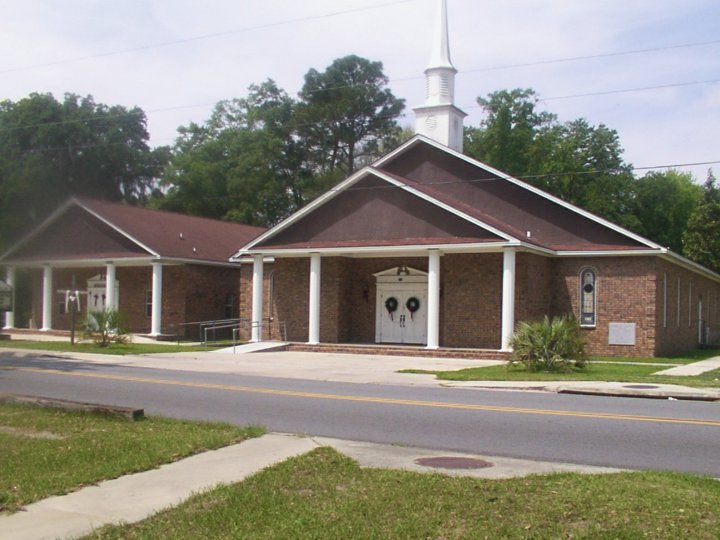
[
  {"x": 553, "y": 344},
  {"x": 104, "y": 327}
]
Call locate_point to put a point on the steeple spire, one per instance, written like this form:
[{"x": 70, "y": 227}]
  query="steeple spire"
[
  {"x": 439, "y": 118},
  {"x": 440, "y": 56}
]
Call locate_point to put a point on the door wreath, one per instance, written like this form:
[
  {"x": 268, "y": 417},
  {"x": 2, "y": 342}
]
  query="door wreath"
[
  {"x": 412, "y": 305},
  {"x": 391, "y": 304}
]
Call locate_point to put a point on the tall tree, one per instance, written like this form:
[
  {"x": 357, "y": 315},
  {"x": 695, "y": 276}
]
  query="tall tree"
[
  {"x": 244, "y": 164},
  {"x": 663, "y": 204},
  {"x": 506, "y": 137},
  {"x": 50, "y": 150},
  {"x": 701, "y": 241},
  {"x": 343, "y": 109},
  {"x": 261, "y": 157}
]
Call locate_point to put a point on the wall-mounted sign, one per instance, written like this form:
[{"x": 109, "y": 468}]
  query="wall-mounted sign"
[{"x": 6, "y": 297}]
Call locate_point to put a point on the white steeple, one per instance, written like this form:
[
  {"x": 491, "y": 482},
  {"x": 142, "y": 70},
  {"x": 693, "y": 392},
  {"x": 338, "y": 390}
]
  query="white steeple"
[{"x": 439, "y": 118}]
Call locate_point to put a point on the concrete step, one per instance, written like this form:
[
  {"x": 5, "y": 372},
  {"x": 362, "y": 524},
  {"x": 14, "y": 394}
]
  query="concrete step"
[
  {"x": 400, "y": 350},
  {"x": 263, "y": 346}
]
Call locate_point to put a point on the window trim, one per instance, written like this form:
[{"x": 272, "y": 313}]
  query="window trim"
[{"x": 581, "y": 294}]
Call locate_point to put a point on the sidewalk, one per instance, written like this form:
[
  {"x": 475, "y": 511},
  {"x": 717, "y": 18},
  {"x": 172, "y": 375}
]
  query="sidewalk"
[{"x": 134, "y": 497}]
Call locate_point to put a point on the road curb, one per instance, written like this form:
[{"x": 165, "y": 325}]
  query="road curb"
[{"x": 619, "y": 392}]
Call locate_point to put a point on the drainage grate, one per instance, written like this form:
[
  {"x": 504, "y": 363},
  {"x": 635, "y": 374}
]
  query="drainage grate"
[
  {"x": 640, "y": 386},
  {"x": 449, "y": 462}
]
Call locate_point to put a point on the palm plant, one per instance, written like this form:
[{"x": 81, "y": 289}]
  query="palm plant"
[
  {"x": 555, "y": 344},
  {"x": 104, "y": 327}
]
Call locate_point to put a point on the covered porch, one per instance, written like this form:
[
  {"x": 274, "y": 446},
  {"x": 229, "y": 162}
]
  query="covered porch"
[{"x": 438, "y": 297}]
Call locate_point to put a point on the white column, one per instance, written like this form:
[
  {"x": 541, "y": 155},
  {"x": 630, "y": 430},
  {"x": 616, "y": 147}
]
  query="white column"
[
  {"x": 10, "y": 280},
  {"x": 433, "y": 300},
  {"x": 257, "y": 298},
  {"x": 508, "y": 299},
  {"x": 156, "y": 315},
  {"x": 110, "y": 300},
  {"x": 314, "y": 315},
  {"x": 47, "y": 303}
]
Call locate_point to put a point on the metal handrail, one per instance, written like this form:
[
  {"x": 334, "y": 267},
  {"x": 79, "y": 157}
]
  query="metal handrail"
[
  {"x": 259, "y": 324},
  {"x": 217, "y": 324}
]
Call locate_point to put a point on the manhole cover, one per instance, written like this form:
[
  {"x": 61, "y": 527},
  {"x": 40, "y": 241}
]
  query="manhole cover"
[
  {"x": 449, "y": 462},
  {"x": 640, "y": 386}
]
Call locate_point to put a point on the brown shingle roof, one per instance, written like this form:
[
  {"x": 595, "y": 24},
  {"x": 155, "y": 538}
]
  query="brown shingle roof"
[
  {"x": 509, "y": 207},
  {"x": 88, "y": 229}
]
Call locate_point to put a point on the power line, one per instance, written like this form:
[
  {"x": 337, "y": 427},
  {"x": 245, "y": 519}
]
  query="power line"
[
  {"x": 207, "y": 36},
  {"x": 627, "y": 90}
]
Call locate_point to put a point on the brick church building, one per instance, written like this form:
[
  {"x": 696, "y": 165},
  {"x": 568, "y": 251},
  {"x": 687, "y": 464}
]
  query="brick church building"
[
  {"x": 429, "y": 247},
  {"x": 426, "y": 247}
]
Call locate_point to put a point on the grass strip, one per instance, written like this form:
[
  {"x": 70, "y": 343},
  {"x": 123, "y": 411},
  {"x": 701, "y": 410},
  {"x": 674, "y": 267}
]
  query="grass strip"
[
  {"x": 610, "y": 372},
  {"x": 113, "y": 348},
  {"x": 326, "y": 495},
  {"x": 49, "y": 452}
]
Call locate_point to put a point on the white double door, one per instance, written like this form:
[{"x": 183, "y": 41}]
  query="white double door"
[{"x": 402, "y": 324}]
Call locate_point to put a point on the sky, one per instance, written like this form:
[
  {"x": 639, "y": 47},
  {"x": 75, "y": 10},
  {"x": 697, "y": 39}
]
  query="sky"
[{"x": 651, "y": 65}]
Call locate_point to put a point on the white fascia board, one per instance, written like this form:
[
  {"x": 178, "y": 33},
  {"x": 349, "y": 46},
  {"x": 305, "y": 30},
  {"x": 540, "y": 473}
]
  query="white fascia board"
[
  {"x": 540, "y": 192},
  {"x": 250, "y": 260},
  {"x": 389, "y": 251},
  {"x": 86, "y": 263},
  {"x": 325, "y": 197},
  {"x": 118, "y": 261},
  {"x": 117, "y": 229},
  {"x": 444, "y": 206},
  {"x": 690, "y": 265},
  {"x": 612, "y": 253},
  {"x": 402, "y": 148},
  {"x": 37, "y": 230}
]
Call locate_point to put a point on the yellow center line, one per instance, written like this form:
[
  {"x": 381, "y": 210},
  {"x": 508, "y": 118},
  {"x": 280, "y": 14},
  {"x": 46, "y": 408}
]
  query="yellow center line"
[{"x": 382, "y": 400}]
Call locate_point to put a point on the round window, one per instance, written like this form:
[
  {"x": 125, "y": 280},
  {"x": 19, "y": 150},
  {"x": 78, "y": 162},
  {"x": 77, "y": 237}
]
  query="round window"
[{"x": 588, "y": 288}]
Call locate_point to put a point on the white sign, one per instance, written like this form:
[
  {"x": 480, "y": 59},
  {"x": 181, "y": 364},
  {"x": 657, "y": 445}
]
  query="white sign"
[{"x": 621, "y": 333}]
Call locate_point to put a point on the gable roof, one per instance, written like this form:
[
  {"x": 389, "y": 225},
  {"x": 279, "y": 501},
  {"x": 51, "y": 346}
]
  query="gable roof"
[
  {"x": 504, "y": 208},
  {"x": 373, "y": 213},
  {"x": 86, "y": 229}
]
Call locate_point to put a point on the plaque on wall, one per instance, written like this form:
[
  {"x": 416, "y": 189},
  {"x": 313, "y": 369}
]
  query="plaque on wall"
[{"x": 621, "y": 333}]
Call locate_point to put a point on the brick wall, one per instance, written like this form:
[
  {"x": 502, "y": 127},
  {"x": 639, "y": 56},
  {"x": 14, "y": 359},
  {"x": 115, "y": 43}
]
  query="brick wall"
[
  {"x": 625, "y": 288},
  {"x": 471, "y": 300},
  {"x": 680, "y": 296},
  {"x": 629, "y": 289}
]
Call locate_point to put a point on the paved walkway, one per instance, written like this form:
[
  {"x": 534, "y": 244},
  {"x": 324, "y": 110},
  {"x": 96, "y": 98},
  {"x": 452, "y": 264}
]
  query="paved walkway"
[
  {"x": 134, "y": 497},
  {"x": 696, "y": 368}
]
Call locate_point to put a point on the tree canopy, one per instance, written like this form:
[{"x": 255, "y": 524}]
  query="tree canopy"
[
  {"x": 583, "y": 164},
  {"x": 259, "y": 158},
  {"x": 343, "y": 109},
  {"x": 701, "y": 241},
  {"x": 50, "y": 150}
]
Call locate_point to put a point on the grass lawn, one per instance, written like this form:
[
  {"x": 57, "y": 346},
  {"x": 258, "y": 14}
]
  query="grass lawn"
[
  {"x": 47, "y": 452},
  {"x": 113, "y": 348},
  {"x": 594, "y": 372},
  {"x": 326, "y": 495}
]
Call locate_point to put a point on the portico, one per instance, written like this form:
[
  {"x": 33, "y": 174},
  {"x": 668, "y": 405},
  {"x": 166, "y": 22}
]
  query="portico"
[{"x": 410, "y": 295}]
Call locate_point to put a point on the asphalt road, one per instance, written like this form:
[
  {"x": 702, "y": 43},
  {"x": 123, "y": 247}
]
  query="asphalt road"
[{"x": 592, "y": 430}]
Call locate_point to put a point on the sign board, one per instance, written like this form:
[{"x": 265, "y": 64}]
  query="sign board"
[
  {"x": 6, "y": 297},
  {"x": 621, "y": 333}
]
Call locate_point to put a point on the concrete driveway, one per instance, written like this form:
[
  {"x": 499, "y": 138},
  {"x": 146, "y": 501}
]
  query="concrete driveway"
[{"x": 356, "y": 368}]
